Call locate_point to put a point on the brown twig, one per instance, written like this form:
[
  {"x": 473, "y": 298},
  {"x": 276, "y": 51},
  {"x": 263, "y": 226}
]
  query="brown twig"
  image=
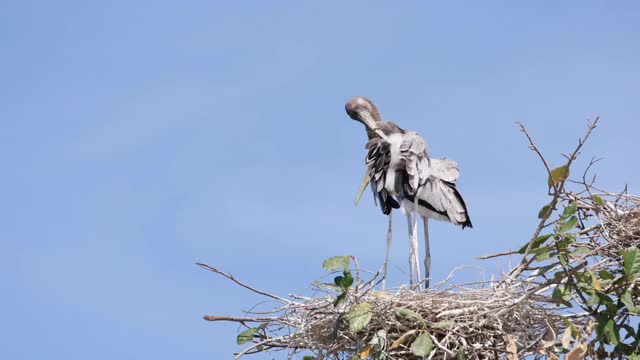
[
  {"x": 556, "y": 193},
  {"x": 230, "y": 277}
]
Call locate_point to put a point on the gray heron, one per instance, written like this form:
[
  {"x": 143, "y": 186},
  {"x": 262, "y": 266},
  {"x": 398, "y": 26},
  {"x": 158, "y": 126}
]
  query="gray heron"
[{"x": 403, "y": 175}]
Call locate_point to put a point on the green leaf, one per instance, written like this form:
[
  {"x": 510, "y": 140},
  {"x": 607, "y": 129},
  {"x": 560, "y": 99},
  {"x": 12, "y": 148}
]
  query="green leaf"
[
  {"x": 409, "y": 314},
  {"x": 337, "y": 263},
  {"x": 561, "y": 292},
  {"x": 345, "y": 281},
  {"x": 605, "y": 275},
  {"x": 567, "y": 225},
  {"x": 309, "y": 357},
  {"x": 570, "y": 210},
  {"x": 422, "y": 345},
  {"x": 558, "y": 175},
  {"x": 359, "y": 316},
  {"x": 595, "y": 282},
  {"x": 545, "y": 255},
  {"x": 593, "y": 300},
  {"x": 598, "y": 200},
  {"x": 246, "y": 336},
  {"x": 566, "y": 241},
  {"x": 460, "y": 353},
  {"x": 609, "y": 330},
  {"x": 563, "y": 261},
  {"x": 579, "y": 251},
  {"x": 544, "y": 211},
  {"x": 339, "y": 299},
  {"x": 541, "y": 250},
  {"x": 348, "y": 279},
  {"x": 443, "y": 324},
  {"x": 585, "y": 282},
  {"x": 627, "y": 300},
  {"x": 604, "y": 299},
  {"x": 536, "y": 243},
  {"x": 631, "y": 257}
]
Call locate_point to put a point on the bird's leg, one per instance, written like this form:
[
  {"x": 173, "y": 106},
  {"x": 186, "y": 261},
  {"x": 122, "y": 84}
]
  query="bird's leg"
[
  {"x": 386, "y": 257},
  {"x": 414, "y": 231},
  {"x": 427, "y": 256},
  {"x": 412, "y": 258}
]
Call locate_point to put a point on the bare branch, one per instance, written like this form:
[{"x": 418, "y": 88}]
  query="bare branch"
[{"x": 228, "y": 276}]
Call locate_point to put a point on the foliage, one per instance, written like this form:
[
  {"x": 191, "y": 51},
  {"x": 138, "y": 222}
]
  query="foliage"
[{"x": 589, "y": 256}]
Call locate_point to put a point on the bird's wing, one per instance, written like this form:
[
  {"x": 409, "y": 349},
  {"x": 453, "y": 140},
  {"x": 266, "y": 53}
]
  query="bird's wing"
[
  {"x": 377, "y": 160},
  {"x": 417, "y": 164},
  {"x": 443, "y": 201},
  {"x": 432, "y": 181},
  {"x": 445, "y": 169}
]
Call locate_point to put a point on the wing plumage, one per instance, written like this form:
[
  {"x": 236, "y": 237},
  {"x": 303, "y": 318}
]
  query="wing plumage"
[
  {"x": 414, "y": 157},
  {"x": 402, "y": 168},
  {"x": 378, "y": 159},
  {"x": 445, "y": 169}
]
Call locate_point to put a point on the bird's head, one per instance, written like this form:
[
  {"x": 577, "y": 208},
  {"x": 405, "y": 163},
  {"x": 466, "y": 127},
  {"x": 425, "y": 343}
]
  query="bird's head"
[{"x": 363, "y": 110}]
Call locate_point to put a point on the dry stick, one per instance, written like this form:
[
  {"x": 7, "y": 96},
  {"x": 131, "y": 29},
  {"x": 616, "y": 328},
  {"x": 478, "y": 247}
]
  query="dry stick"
[
  {"x": 515, "y": 272},
  {"x": 357, "y": 266},
  {"x": 556, "y": 194},
  {"x": 245, "y": 351},
  {"x": 498, "y": 254},
  {"x": 240, "y": 319},
  {"x": 228, "y": 276}
]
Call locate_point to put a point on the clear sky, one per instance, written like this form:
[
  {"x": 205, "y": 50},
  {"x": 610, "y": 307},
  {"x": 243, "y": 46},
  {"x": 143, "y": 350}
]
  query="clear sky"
[{"x": 139, "y": 137}]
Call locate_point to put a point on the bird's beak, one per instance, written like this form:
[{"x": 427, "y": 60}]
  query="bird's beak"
[
  {"x": 364, "y": 184},
  {"x": 370, "y": 123},
  {"x": 367, "y": 119}
]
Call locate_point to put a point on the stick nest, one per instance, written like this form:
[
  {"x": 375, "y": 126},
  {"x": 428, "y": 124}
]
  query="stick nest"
[
  {"x": 477, "y": 321},
  {"x": 617, "y": 218},
  {"x": 474, "y": 319}
]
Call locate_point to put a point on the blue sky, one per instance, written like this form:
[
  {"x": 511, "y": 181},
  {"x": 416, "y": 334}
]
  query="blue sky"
[{"x": 140, "y": 137}]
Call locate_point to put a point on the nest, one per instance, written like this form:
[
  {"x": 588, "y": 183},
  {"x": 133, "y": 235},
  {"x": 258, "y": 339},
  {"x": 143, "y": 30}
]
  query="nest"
[
  {"x": 482, "y": 320},
  {"x": 608, "y": 223},
  {"x": 473, "y": 321},
  {"x": 617, "y": 225}
]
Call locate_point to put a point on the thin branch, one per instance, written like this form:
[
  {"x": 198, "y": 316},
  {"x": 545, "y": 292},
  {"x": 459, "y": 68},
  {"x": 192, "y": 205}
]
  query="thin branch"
[
  {"x": 556, "y": 194},
  {"x": 498, "y": 254},
  {"x": 257, "y": 345},
  {"x": 239, "y": 319},
  {"x": 230, "y": 277}
]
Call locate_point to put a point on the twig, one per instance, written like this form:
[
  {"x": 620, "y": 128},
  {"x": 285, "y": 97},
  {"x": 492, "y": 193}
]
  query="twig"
[
  {"x": 239, "y": 319},
  {"x": 556, "y": 194},
  {"x": 256, "y": 345},
  {"x": 503, "y": 253},
  {"x": 228, "y": 276}
]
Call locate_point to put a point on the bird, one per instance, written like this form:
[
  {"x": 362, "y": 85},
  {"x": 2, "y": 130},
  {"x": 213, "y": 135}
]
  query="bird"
[{"x": 404, "y": 176}]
